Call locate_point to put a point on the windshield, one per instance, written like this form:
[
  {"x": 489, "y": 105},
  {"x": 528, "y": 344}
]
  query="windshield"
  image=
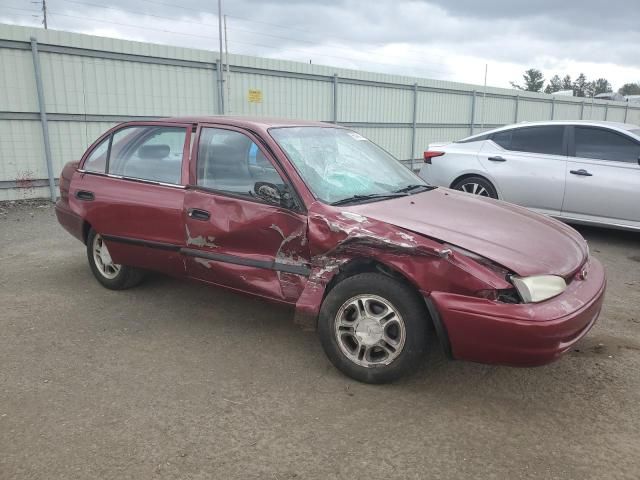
[{"x": 337, "y": 164}]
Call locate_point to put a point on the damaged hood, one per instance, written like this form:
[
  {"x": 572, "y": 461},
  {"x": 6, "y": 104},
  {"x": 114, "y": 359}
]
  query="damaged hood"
[{"x": 524, "y": 242}]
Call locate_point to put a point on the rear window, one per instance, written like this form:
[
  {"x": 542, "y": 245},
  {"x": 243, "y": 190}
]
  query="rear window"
[
  {"x": 476, "y": 138},
  {"x": 503, "y": 139},
  {"x": 546, "y": 140}
]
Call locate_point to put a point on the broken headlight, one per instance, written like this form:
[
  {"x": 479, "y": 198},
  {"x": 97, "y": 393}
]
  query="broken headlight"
[{"x": 538, "y": 288}]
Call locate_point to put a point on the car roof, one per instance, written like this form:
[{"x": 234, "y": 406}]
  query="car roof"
[
  {"x": 246, "y": 121},
  {"x": 591, "y": 123}
]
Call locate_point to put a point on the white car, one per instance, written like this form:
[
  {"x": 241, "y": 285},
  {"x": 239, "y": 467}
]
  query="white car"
[{"x": 578, "y": 171}]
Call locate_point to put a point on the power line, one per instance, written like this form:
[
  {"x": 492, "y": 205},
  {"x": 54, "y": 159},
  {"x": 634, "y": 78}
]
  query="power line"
[
  {"x": 117, "y": 9},
  {"x": 351, "y": 59},
  {"x": 245, "y": 19},
  {"x": 21, "y": 9},
  {"x": 261, "y": 45},
  {"x": 286, "y": 27},
  {"x": 131, "y": 26}
]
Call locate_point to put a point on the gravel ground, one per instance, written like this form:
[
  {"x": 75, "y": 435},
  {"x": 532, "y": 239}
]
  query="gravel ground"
[{"x": 178, "y": 380}]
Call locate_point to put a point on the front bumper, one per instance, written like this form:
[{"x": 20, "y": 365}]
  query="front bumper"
[{"x": 521, "y": 334}]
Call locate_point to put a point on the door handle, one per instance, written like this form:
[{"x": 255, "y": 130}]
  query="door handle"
[
  {"x": 497, "y": 159},
  {"x": 582, "y": 172},
  {"x": 198, "y": 214},
  {"x": 85, "y": 195}
]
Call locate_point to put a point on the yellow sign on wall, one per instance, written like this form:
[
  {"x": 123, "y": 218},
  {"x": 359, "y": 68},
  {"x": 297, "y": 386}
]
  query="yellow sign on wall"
[{"x": 255, "y": 96}]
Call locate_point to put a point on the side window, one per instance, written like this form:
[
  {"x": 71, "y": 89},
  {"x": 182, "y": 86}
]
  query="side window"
[
  {"x": 97, "y": 159},
  {"x": 230, "y": 162},
  {"x": 148, "y": 153},
  {"x": 503, "y": 139},
  {"x": 546, "y": 140},
  {"x": 603, "y": 144}
]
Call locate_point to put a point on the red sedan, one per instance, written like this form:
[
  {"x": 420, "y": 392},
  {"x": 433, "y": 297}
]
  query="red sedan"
[{"x": 318, "y": 217}]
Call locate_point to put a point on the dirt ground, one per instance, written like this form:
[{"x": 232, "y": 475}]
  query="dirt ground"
[{"x": 178, "y": 380}]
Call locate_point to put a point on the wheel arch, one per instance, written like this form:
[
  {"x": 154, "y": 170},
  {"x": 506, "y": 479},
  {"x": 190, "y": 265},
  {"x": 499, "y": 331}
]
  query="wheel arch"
[{"x": 359, "y": 265}]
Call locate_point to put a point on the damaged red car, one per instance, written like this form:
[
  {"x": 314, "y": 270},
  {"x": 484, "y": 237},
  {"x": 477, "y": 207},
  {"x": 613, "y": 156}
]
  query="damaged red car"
[{"x": 318, "y": 217}]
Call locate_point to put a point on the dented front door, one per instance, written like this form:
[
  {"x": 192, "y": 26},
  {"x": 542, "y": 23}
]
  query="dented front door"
[
  {"x": 233, "y": 237},
  {"x": 245, "y": 245}
]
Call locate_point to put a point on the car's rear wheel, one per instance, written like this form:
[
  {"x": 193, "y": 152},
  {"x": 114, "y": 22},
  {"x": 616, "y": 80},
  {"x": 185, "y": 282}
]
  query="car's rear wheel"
[
  {"x": 477, "y": 186},
  {"x": 109, "y": 274},
  {"x": 373, "y": 328}
]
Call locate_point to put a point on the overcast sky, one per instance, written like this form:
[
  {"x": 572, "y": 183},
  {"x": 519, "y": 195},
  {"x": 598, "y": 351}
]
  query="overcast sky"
[{"x": 443, "y": 39}]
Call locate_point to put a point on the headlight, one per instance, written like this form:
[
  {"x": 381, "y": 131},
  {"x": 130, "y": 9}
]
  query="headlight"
[{"x": 539, "y": 288}]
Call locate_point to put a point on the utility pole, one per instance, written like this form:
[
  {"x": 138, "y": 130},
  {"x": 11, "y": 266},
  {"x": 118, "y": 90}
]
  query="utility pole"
[
  {"x": 44, "y": 13},
  {"x": 484, "y": 95},
  {"x": 221, "y": 77},
  {"x": 226, "y": 55}
]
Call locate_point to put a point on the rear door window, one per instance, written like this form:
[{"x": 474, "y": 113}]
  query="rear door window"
[
  {"x": 148, "y": 153},
  {"x": 601, "y": 144},
  {"x": 547, "y": 140},
  {"x": 97, "y": 159}
]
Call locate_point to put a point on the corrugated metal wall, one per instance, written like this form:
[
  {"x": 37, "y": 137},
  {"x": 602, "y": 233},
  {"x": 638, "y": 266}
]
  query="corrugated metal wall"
[{"x": 90, "y": 83}]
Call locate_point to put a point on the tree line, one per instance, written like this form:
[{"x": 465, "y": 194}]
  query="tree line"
[{"x": 534, "y": 81}]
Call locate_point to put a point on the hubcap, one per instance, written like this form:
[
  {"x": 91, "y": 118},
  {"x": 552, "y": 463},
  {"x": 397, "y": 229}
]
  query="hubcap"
[
  {"x": 369, "y": 330},
  {"x": 102, "y": 259},
  {"x": 475, "y": 188}
]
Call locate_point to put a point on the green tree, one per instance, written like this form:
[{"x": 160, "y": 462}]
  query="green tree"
[
  {"x": 630, "y": 89},
  {"x": 555, "y": 85},
  {"x": 601, "y": 85},
  {"x": 581, "y": 87},
  {"x": 533, "y": 81},
  {"x": 567, "y": 84}
]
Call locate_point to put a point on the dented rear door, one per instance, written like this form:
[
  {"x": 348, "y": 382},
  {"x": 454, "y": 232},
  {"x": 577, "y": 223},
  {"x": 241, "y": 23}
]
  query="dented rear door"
[{"x": 232, "y": 237}]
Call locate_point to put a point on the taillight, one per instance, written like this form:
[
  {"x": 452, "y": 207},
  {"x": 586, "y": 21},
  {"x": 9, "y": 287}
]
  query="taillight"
[{"x": 429, "y": 154}]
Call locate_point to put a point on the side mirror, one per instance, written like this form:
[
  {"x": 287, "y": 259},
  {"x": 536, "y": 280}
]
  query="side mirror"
[{"x": 273, "y": 194}]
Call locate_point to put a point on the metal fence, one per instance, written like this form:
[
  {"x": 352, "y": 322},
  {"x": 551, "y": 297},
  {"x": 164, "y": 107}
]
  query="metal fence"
[{"x": 59, "y": 91}]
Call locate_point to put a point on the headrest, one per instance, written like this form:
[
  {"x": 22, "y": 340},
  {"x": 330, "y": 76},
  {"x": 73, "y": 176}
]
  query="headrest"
[{"x": 155, "y": 152}]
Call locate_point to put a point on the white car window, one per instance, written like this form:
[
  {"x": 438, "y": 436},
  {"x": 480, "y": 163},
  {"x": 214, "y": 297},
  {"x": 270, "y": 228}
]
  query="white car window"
[{"x": 602, "y": 144}]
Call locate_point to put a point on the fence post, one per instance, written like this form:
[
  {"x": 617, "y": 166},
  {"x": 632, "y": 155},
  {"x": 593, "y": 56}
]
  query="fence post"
[
  {"x": 582, "y": 111},
  {"x": 473, "y": 112},
  {"x": 606, "y": 111},
  {"x": 220, "y": 87},
  {"x": 335, "y": 98},
  {"x": 626, "y": 112},
  {"x": 413, "y": 124},
  {"x": 515, "y": 120},
  {"x": 553, "y": 107},
  {"x": 43, "y": 117}
]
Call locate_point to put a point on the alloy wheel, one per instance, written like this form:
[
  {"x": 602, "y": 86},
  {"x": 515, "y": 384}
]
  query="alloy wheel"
[
  {"x": 475, "y": 188},
  {"x": 102, "y": 259},
  {"x": 369, "y": 330}
]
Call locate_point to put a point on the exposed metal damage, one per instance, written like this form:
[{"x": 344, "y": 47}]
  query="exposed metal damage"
[{"x": 200, "y": 240}]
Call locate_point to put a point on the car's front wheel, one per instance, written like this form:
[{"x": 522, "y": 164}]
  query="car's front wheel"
[
  {"x": 373, "y": 328},
  {"x": 111, "y": 275},
  {"x": 477, "y": 186}
]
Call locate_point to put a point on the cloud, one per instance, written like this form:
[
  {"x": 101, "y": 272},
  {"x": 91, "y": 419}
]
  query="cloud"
[{"x": 446, "y": 39}]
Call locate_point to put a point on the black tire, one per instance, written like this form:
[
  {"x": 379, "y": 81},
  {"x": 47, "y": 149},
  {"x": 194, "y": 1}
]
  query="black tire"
[
  {"x": 468, "y": 184},
  {"x": 403, "y": 299},
  {"x": 126, "y": 277}
]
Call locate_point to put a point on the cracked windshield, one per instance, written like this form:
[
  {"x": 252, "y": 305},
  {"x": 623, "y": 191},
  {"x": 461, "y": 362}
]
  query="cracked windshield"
[{"x": 342, "y": 166}]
